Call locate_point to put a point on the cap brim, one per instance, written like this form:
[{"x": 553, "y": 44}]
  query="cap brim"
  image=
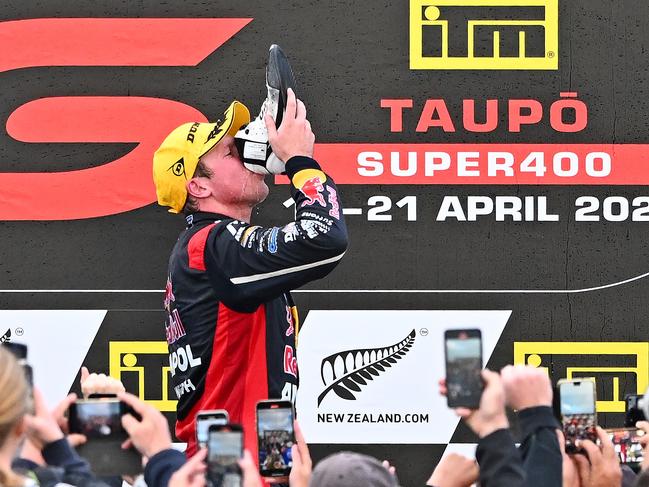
[{"x": 236, "y": 116}]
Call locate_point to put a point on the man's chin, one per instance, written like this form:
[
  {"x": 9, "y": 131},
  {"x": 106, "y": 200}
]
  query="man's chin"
[{"x": 263, "y": 194}]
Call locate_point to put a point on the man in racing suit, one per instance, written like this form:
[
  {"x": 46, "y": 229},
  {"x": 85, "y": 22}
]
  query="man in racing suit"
[{"x": 230, "y": 324}]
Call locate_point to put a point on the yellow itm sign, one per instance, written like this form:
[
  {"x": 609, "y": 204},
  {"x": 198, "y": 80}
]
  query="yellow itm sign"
[{"x": 484, "y": 34}]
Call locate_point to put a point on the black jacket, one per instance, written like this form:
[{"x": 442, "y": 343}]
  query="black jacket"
[
  {"x": 538, "y": 461},
  {"x": 230, "y": 326},
  {"x": 64, "y": 466}
]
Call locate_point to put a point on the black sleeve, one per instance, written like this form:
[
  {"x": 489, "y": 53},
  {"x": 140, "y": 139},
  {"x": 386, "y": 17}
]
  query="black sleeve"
[
  {"x": 500, "y": 462},
  {"x": 643, "y": 479},
  {"x": 542, "y": 458},
  {"x": 629, "y": 477},
  {"x": 162, "y": 466},
  {"x": 250, "y": 264},
  {"x": 76, "y": 470}
]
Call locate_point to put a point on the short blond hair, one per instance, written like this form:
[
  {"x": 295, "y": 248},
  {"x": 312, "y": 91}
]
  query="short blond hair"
[{"x": 14, "y": 404}]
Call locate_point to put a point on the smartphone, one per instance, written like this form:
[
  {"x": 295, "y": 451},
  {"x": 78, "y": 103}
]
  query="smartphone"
[
  {"x": 204, "y": 419},
  {"x": 275, "y": 437},
  {"x": 626, "y": 442},
  {"x": 100, "y": 420},
  {"x": 463, "y": 352},
  {"x": 578, "y": 416},
  {"x": 634, "y": 412},
  {"x": 224, "y": 450}
]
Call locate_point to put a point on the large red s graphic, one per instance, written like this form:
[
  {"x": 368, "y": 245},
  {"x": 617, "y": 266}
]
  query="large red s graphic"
[{"x": 124, "y": 184}]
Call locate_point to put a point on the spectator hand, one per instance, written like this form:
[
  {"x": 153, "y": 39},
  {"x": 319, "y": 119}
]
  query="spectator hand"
[
  {"x": 569, "y": 467},
  {"x": 601, "y": 468},
  {"x": 192, "y": 474},
  {"x": 526, "y": 387},
  {"x": 389, "y": 468},
  {"x": 249, "y": 470},
  {"x": 42, "y": 427},
  {"x": 490, "y": 416},
  {"x": 294, "y": 136},
  {"x": 302, "y": 465},
  {"x": 454, "y": 470},
  {"x": 99, "y": 384},
  {"x": 151, "y": 434},
  {"x": 75, "y": 439}
]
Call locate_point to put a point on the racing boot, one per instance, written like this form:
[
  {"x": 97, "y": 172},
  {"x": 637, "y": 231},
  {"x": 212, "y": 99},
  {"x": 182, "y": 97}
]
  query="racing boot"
[{"x": 252, "y": 140}]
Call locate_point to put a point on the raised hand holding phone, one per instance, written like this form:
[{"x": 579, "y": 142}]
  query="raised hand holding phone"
[
  {"x": 578, "y": 416},
  {"x": 224, "y": 453},
  {"x": 463, "y": 353},
  {"x": 276, "y": 437}
]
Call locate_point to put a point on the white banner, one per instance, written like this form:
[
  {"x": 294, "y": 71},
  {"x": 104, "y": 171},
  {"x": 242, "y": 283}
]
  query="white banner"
[
  {"x": 370, "y": 376},
  {"x": 57, "y": 341}
]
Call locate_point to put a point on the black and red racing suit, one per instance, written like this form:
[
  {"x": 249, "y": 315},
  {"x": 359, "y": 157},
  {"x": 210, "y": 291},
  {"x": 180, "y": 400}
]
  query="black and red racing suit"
[{"x": 229, "y": 325}]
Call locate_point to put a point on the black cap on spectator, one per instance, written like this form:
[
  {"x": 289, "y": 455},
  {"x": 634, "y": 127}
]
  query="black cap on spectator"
[
  {"x": 347, "y": 469},
  {"x": 18, "y": 349}
]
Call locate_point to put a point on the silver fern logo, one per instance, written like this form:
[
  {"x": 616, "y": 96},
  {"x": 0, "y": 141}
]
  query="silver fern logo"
[
  {"x": 6, "y": 337},
  {"x": 346, "y": 372}
]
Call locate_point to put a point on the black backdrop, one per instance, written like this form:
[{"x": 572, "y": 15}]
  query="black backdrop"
[{"x": 347, "y": 56}]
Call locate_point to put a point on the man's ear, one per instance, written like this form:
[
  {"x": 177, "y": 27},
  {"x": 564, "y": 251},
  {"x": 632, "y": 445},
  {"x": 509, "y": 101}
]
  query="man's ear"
[{"x": 197, "y": 189}]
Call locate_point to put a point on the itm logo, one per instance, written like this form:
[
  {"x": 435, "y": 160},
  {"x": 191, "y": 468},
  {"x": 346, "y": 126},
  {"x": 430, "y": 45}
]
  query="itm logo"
[
  {"x": 484, "y": 34},
  {"x": 619, "y": 368},
  {"x": 345, "y": 372}
]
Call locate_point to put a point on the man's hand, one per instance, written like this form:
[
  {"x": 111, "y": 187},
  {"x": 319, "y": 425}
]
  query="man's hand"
[
  {"x": 302, "y": 464},
  {"x": 454, "y": 470},
  {"x": 42, "y": 427},
  {"x": 569, "y": 467},
  {"x": 249, "y": 470},
  {"x": 192, "y": 474},
  {"x": 151, "y": 434},
  {"x": 99, "y": 384},
  {"x": 490, "y": 416},
  {"x": 390, "y": 468},
  {"x": 526, "y": 387},
  {"x": 75, "y": 439},
  {"x": 294, "y": 136},
  {"x": 602, "y": 467}
]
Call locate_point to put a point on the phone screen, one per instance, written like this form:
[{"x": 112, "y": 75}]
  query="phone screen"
[
  {"x": 203, "y": 423},
  {"x": 626, "y": 442},
  {"x": 463, "y": 368},
  {"x": 578, "y": 416},
  {"x": 225, "y": 448},
  {"x": 276, "y": 437},
  {"x": 98, "y": 419},
  {"x": 634, "y": 412}
]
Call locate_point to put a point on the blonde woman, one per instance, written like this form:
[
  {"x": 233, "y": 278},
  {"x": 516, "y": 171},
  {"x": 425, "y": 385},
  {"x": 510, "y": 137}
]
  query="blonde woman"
[{"x": 41, "y": 428}]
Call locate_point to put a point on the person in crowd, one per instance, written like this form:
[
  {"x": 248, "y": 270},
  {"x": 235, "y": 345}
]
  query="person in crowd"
[
  {"x": 20, "y": 418},
  {"x": 538, "y": 461},
  {"x": 643, "y": 478}
]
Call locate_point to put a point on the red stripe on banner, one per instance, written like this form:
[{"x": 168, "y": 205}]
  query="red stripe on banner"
[
  {"x": 126, "y": 183},
  {"x": 112, "y": 42},
  {"x": 114, "y": 187},
  {"x": 485, "y": 164}
]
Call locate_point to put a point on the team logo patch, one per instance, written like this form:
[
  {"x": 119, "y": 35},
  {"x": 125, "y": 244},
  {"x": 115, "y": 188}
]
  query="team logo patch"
[
  {"x": 178, "y": 167},
  {"x": 290, "y": 361},
  {"x": 313, "y": 189}
]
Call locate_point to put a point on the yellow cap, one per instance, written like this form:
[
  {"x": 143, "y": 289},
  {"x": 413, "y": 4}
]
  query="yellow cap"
[{"x": 176, "y": 159}]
